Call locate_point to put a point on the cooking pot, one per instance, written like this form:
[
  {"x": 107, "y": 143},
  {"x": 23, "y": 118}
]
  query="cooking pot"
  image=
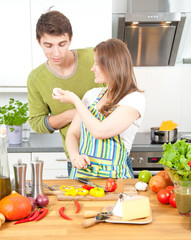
[{"x": 163, "y": 136}]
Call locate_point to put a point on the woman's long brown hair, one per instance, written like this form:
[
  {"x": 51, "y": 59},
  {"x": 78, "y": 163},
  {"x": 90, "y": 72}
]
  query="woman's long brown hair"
[{"x": 114, "y": 59}]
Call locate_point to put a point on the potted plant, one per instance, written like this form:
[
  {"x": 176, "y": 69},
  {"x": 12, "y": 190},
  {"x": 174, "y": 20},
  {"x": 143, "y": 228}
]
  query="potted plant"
[{"x": 13, "y": 116}]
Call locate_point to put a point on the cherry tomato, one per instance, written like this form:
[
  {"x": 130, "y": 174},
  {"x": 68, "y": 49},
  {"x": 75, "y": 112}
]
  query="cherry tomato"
[
  {"x": 172, "y": 200},
  {"x": 189, "y": 163},
  {"x": 163, "y": 196},
  {"x": 170, "y": 188}
]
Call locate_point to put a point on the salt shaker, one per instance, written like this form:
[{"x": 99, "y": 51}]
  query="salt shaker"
[
  {"x": 37, "y": 167},
  {"x": 20, "y": 177}
]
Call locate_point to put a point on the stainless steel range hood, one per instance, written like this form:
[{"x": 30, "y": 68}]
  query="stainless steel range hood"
[{"x": 151, "y": 32}]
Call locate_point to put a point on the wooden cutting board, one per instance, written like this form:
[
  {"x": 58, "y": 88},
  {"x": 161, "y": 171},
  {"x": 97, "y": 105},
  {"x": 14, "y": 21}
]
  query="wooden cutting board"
[{"x": 121, "y": 188}]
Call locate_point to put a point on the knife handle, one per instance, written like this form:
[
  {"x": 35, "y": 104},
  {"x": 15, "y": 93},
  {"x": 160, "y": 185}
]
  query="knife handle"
[
  {"x": 90, "y": 214},
  {"x": 88, "y": 222}
]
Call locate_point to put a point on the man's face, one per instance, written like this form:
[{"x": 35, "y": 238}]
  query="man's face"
[{"x": 55, "y": 48}]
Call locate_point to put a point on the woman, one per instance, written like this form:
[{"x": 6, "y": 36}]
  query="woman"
[{"x": 106, "y": 129}]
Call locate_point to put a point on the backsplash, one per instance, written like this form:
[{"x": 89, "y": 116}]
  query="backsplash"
[{"x": 167, "y": 92}]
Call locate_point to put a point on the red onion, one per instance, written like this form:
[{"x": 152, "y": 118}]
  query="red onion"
[
  {"x": 42, "y": 200},
  {"x": 33, "y": 203}
]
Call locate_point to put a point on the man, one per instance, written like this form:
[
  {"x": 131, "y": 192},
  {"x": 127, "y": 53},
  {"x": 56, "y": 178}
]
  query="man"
[{"x": 64, "y": 68}]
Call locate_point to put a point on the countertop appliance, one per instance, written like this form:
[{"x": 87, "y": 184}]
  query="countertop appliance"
[
  {"x": 145, "y": 155},
  {"x": 152, "y": 33}
]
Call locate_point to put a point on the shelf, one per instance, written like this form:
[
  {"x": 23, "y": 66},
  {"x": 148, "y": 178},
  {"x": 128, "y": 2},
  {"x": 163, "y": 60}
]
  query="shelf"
[{"x": 13, "y": 89}]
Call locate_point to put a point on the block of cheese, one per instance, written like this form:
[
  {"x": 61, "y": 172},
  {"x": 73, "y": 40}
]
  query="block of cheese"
[{"x": 136, "y": 207}]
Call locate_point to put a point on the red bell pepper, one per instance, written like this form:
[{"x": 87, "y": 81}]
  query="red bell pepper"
[
  {"x": 110, "y": 185},
  {"x": 87, "y": 187}
]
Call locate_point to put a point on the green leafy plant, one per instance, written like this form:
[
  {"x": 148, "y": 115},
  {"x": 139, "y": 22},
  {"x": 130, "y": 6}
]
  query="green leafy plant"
[{"x": 14, "y": 114}]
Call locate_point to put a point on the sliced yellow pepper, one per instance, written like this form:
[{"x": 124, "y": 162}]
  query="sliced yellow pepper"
[
  {"x": 71, "y": 192},
  {"x": 81, "y": 191},
  {"x": 65, "y": 188},
  {"x": 97, "y": 192}
]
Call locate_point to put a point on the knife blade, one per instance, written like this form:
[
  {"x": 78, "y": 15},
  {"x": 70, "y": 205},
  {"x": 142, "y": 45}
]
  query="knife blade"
[
  {"x": 88, "y": 182},
  {"x": 90, "y": 214}
]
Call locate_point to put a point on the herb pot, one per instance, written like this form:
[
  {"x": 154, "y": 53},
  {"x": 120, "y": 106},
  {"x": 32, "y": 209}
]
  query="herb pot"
[
  {"x": 160, "y": 137},
  {"x": 14, "y": 137}
]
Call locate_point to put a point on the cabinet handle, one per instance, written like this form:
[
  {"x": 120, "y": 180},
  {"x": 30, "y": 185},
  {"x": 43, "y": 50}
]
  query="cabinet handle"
[
  {"x": 61, "y": 176},
  {"x": 61, "y": 159}
]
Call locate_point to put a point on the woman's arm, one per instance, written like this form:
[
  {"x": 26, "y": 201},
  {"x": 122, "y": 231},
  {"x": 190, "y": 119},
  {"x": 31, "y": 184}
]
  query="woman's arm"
[
  {"x": 72, "y": 144},
  {"x": 117, "y": 122}
]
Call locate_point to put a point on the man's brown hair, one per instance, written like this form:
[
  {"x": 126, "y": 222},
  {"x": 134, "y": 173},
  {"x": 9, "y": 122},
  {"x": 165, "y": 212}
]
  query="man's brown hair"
[{"x": 53, "y": 23}]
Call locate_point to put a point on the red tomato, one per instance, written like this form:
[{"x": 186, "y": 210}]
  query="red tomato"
[
  {"x": 163, "y": 196},
  {"x": 189, "y": 163},
  {"x": 172, "y": 200},
  {"x": 110, "y": 185},
  {"x": 170, "y": 188}
]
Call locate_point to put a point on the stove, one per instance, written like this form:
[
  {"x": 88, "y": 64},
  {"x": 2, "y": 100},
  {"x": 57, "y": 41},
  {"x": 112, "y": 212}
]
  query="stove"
[{"x": 145, "y": 155}]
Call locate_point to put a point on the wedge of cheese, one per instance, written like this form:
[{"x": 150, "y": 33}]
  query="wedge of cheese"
[{"x": 136, "y": 207}]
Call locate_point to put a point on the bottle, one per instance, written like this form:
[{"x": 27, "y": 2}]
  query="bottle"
[
  {"x": 5, "y": 183},
  {"x": 20, "y": 177},
  {"x": 37, "y": 169}
]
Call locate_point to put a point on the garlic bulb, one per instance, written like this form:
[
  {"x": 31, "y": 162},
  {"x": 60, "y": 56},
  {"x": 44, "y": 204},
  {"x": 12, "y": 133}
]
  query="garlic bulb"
[
  {"x": 55, "y": 92},
  {"x": 141, "y": 186}
]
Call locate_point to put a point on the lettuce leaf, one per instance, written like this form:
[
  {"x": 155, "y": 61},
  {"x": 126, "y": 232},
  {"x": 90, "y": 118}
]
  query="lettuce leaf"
[{"x": 176, "y": 155}]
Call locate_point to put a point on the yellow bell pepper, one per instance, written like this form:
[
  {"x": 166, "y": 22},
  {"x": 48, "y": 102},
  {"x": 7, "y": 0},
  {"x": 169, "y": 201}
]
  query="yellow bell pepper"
[
  {"x": 65, "y": 188},
  {"x": 81, "y": 191},
  {"x": 71, "y": 192},
  {"x": 97, "y": 192}
]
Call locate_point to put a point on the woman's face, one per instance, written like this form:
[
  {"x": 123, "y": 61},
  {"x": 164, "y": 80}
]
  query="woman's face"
[{"x": 99, "y": 74}]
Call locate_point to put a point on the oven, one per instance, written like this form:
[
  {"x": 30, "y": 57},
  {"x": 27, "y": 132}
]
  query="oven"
[{"x": 146, "y": 161}]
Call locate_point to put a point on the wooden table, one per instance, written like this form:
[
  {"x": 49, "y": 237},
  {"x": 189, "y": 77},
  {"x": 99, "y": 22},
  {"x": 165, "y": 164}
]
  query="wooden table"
[{"x": 166, "y": 222}]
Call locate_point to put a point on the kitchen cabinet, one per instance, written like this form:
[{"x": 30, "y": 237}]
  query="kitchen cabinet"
[
  {"x": 15, "y": 42},
  {"x": 13, "y": 159},
  {"x": 55, "y": 164}
]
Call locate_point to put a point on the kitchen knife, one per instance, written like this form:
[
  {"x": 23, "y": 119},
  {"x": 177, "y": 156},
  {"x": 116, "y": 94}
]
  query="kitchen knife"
[
  {"x": 88, "y": 182},
  {"x": 90, "y": 214},
  {"x": 92, "y": 221}
]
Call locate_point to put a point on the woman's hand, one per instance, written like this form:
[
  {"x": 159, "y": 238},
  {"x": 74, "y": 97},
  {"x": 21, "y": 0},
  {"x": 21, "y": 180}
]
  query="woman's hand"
[
  {"x": 81, "y": 161},
  {"x": 65, "y": 96}
]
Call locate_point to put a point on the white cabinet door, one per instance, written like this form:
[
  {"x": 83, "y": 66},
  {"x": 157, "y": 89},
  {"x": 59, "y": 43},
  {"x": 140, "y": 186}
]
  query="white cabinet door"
[
  {"x": 55, "y": 164},
  {"x": 13, "y": 159},
  {"x": 15, "y": 42},
  {"x": 91, "y": 22}
]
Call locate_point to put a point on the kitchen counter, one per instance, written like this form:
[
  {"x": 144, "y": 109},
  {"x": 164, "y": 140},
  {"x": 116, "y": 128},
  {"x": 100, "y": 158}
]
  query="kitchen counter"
[
  {"x": 166, "y": 222},
  {"x": 53, "y": 143}
]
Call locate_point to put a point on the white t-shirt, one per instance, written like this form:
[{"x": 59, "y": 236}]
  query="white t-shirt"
[{"x": 135, "y": 100}]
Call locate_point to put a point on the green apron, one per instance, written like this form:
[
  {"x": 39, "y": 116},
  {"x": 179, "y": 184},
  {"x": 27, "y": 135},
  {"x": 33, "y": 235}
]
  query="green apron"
[{"x": 109, "y": 157}]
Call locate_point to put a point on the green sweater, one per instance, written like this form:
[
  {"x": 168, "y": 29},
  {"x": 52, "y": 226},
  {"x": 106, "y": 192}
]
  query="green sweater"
[{"x": 42, "y": 81}]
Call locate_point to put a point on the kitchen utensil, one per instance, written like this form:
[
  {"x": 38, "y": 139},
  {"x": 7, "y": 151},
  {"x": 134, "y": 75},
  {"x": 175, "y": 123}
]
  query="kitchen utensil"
[
  {"x": 187, "y": 137},
  {"x": 92, "y": 221},
  {"x": 159, "y": 137},
  {"x": 90, "y": 214},
  {"x": 49, "y": 187},
  {"x": 88, "y": 182},
  {"x": 20, "y": 177},
  {"x": 37, "y": 167}
]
